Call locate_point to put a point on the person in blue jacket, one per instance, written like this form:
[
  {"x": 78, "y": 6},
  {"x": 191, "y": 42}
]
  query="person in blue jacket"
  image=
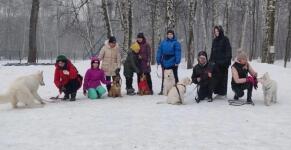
[{"x": 169, "y": 55}]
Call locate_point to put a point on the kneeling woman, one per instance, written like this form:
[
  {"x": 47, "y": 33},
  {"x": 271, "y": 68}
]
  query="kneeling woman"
[
  {"x": 93, "y": 78},
  {"x": 66, "y": 78},
  {"x": 202, "y": 76},
  {"x": 240, "y": 79}
]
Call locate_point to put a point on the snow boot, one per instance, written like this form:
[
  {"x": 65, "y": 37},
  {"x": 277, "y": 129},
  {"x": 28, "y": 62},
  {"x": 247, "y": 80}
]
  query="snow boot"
[
  {"x": 66, "y": 97},
  {"x": 73, "y": 96}
]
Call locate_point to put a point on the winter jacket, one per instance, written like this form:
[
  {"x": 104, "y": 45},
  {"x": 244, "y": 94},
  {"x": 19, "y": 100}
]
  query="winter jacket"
[
  {"x": 221, "y": 52},
  {"x": 93, "y": 78},
  {"x": 201, "y": 71},
  {"x": 60, "y": 79},
  {"x": 169, "y": 53},
  {"x": 131, "y": 64},
  {"x": 110, "y": 58},
  {"x": 145, "y": 57}
]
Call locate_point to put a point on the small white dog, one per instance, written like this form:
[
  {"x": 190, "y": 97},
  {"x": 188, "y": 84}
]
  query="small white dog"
[
  {"x": 169, "y": 81},
  {"x": 177, "y": 93},
  {"x": 24, "y": 89},
  {"x": 269, "y": 89}
]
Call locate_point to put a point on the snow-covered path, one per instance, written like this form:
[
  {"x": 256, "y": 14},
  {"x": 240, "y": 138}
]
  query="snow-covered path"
[{"x": 134, "y": 122}]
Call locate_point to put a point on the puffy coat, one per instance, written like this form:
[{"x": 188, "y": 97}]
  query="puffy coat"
[
  {"x": 145, "y": 57},
  {"x": 93, "y": 78},
  {"x": 60, "y": 79},
  {"x": 169, "y": 53},
  {"x": 110, "y": 58}
]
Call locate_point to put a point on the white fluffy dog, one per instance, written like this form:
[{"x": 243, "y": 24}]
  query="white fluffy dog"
[
  {"x": 24, "y": 89},
  {"x": 269, "y": 89},
  {"x": 169, "y": 81},
  {"x": 177, "y": 92}
]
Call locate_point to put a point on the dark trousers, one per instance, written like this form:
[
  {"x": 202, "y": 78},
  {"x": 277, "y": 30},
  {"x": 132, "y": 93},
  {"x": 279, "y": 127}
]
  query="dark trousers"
[
  {"x": 175, "y": 72},
  {"x": 71, "y": 87},
  {"x": 205, "y": 91},
  {"x": 108, "y": 78},
  {"x": 220, "y": 78},
  {"x": 238, "y": 89},
  {"x": 129, "y": 81},
  {"x": 149, "y": 80}
]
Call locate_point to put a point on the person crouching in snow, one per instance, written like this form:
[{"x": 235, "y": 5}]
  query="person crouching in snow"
[
  {"x": 240, "y": 79},
  {"x": 66, "y": 78},
  {"x": 202, "y": 76},
  {"x": 93, "y": 78},
  {"x": 131, "y": 66}
]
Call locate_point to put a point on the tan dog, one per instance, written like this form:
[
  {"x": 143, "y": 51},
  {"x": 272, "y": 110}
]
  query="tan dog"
[{"x": 115, "y": 90}]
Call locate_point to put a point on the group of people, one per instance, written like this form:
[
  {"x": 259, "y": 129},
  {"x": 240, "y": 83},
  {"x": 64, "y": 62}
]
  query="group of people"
[{"x": 210, "y": 74}]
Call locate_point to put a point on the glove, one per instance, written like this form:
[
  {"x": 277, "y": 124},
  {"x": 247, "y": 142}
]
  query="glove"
[
  {"x": 250, "y": 80},
  {"x": 66, "y": 72},
  {"x": 117, "y": 71}
]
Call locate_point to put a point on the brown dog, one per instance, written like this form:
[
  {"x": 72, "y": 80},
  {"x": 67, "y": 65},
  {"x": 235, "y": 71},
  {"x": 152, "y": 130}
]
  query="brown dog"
[
  {"x": 143, "y": 87},
  {"x": 115, "y": 90}
]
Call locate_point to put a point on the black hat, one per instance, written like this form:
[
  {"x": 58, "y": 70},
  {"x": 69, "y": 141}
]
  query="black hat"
[
  {"x": 171, "y": 31},
  {"x": 112, "y": 39},
  {"x": 140, "y": 35},
  {"x": 62, "y": 58}
]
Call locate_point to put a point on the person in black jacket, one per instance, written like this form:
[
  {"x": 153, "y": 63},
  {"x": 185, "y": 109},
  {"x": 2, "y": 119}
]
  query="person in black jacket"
[
  {"x": 221, "y": 54},
  {"x": 202, "y": 76}
]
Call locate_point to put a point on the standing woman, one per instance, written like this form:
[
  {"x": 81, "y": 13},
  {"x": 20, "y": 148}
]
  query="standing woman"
[
  {"x": 144, "y": 59},
  {"x": 169, "y": 55},
  {"x": 221, "y": 54},
  {"x": 110, "y": 57}
]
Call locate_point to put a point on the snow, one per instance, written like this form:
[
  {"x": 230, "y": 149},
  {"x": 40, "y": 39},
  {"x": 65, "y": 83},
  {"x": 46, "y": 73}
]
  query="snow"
[{"x": 135, "y": 122}]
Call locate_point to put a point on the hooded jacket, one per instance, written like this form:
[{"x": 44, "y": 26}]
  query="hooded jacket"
[
  {"x": 221, "y": 52},
  {"x": 60, "y": 79}
]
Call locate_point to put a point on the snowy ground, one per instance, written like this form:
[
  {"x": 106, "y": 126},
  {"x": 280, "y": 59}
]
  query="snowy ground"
[{"x": 134, "y": 122}]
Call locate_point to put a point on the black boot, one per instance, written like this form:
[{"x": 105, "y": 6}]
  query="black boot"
[
  {"x": 235, "y": 97},
  {"x": 249, "y": 94},
  {"x": 73, "y": 96},
  {"x": 66, "y": 97},
  {"x": 210, "y": 99},
  {"x": 197, "y": 100}
]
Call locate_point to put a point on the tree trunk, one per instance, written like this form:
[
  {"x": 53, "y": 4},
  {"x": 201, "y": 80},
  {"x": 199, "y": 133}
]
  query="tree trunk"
[
  {"x": 123, "y": 7},
  {"x": 32, "y": 32},
  {"x": 171, "y": 20},
  {"x": 288, "y": 41},
  {"x": 106, "y": 18},
  {"x": 190, "y": 46},
  {"x": 130, "y": 25},
  {"x": 269, "y": 32},
  {"x": 254, "y": 31},
  {"x": 244, "y": 27}
]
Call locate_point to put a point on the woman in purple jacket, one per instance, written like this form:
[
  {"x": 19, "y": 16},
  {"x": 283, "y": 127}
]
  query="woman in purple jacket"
[
  {"x": 144, "y": 59},
  {"x": 93, "y": 78}
]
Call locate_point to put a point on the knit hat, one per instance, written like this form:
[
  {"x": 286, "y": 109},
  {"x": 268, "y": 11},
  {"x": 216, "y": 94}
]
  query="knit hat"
[
  {"x": 112, "y": 39},
  {"x": 135, "y": 47},
  {"x": 61, "y": 58},
  {"x": 171, "y": 31},
  {"x": 95, "y": 60},
  {"x": 140, "y": 35}
]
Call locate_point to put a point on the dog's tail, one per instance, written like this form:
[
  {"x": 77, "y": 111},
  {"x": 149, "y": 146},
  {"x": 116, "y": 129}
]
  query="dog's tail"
[{"x": 4, "y": 98}]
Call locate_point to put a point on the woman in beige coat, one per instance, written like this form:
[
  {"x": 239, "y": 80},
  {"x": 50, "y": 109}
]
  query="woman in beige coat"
[{"x": 110, "y": 57}]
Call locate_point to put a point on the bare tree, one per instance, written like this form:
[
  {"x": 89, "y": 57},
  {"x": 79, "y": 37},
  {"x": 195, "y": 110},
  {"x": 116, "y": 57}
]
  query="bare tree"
[
  {"x": 288, "y": 42},
  {"x": 269, "y": 32},
  {"x": 32, "y": 55},
  {"x": 190, "y": 46},
  {"x": 170, "y": 17},
  {"x": 106, "y": 18}
]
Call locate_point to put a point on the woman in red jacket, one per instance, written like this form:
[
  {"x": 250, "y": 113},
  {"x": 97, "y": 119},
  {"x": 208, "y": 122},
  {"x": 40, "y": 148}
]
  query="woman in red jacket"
[{"x": 66, "y": 78}]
